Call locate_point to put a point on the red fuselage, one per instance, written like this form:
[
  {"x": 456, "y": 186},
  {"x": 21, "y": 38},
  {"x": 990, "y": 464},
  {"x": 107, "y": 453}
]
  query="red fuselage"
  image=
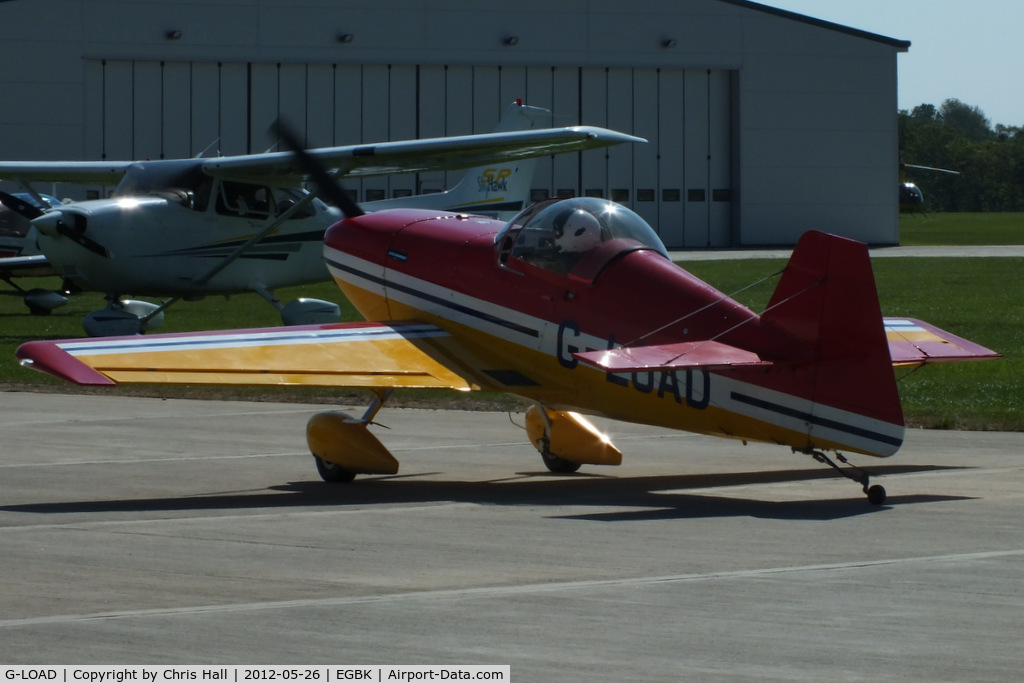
[{"x": 518, "y": 325}]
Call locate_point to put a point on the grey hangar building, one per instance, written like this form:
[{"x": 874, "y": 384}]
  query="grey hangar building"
[{"x": 761, "y": 123}]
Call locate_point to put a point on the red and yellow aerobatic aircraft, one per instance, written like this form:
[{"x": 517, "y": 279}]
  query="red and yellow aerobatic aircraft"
[{"x": 575, "y": 305}]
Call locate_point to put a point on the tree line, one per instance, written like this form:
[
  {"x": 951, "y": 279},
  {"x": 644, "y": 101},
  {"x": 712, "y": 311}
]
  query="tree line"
[{"x": 958, "y": 137}]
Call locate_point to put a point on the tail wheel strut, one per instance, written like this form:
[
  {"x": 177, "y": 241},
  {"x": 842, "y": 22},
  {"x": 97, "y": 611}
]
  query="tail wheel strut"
[{"x": 876, "y": 493}]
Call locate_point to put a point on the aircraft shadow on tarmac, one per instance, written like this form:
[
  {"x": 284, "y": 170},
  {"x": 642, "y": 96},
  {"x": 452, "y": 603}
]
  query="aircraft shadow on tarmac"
[{"x": 628, "y": 498}]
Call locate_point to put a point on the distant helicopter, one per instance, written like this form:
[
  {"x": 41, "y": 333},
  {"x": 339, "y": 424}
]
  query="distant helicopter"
[{"x": 911, "y": 197}]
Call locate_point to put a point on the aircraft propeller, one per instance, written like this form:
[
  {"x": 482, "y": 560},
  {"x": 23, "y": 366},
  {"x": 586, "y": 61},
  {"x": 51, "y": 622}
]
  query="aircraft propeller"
[
  {"x": 20, "y": 206},
  {"x": 329, "y": 185},
  {"x": 55, "y": 223}
]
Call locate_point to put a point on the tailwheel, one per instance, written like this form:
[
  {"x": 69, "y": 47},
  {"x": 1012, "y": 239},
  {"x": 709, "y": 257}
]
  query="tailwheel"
[
  {"x": 875, "y": 493},
  {"x": 332, "y": 472}
]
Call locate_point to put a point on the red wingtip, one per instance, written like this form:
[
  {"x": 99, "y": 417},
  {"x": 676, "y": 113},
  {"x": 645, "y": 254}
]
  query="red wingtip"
[{"x": 48, "y": 357}]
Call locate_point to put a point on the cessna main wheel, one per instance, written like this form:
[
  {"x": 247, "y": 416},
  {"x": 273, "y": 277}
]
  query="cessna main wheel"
[{"x": 333, "y": 472}]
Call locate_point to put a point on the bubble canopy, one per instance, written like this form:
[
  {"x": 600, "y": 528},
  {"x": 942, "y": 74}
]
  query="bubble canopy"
[{"x": 557, "y": 232}]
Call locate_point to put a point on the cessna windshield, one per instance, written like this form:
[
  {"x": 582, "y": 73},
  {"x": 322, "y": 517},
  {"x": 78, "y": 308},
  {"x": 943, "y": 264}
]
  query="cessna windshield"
[
  {"x": 558, "y": 234},
  {"x": 183, "y": 181}
]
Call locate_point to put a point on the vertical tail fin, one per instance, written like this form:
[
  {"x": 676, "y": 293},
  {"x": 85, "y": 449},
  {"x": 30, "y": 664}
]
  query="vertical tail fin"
[
  {"x": 498, "y": 190},
  {"x": 828, "y": 302}
]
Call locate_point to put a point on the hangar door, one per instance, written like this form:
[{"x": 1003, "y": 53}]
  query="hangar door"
[{"x": 680, "y": 182}]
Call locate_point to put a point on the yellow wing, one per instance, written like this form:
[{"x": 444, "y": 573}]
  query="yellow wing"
[{"x": 338, "y": 355}]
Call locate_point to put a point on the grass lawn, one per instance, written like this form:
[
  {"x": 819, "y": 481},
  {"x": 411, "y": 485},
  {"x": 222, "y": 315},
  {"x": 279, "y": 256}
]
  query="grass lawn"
[
  {"x": 978, "y": 299},
  {"x": 961, "y": 229}
]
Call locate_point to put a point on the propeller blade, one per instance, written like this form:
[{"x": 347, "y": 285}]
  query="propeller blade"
[
  {"x": 329, "y": 184},
  {"x": 20, "y": 206},
  {"x": 77, "y": 234}
]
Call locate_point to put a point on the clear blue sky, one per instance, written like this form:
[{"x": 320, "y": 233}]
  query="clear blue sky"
[{"x": 971, "y": 50}]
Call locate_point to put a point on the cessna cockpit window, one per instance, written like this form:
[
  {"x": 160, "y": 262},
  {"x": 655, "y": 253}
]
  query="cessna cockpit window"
[
  {"x": 287, "y": 198},
  {"x": 177, "y": 177},
  {"x": 559, "y": 233},
  {"x": 245, "y": 200}
]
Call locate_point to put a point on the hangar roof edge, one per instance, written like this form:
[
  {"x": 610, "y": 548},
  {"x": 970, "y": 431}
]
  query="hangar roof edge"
[{"x": 901, "y": 45}]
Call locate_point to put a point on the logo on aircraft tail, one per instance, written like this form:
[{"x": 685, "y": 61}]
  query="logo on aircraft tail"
[{"x": 494, "y": 180}]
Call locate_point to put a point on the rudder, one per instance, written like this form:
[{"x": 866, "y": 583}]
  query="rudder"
[{"x": 828, "y": 302}]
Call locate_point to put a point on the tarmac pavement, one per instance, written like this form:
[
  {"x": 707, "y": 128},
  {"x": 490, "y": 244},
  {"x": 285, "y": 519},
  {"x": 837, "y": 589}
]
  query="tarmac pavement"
[{"x": 197, "y": 532}]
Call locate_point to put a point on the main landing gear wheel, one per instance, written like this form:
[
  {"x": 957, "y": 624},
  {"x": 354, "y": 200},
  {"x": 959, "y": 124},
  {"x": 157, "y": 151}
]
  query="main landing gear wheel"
[
  {"x": 333, "y": 472},
  {"x": 556, "y": 464}
]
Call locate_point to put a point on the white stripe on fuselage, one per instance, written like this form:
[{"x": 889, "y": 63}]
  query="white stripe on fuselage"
[{"x": 508, "y": 324}]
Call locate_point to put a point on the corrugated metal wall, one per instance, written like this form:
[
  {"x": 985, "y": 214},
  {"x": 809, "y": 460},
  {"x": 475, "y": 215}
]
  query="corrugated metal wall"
[{"x": 682, "y": 182}]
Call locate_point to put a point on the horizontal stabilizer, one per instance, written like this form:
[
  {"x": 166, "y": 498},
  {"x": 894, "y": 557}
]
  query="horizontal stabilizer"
[
  {"x": 913, "y": 342},
  {"x": 709, "y": 355}
]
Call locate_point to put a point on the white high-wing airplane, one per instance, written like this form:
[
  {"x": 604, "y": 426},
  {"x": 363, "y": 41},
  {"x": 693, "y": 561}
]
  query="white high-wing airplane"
[{"x": 189, "y": 228}]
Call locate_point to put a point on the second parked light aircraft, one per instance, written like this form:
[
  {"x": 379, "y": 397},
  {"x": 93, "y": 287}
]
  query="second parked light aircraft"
[{"x": 189, "y": 228}]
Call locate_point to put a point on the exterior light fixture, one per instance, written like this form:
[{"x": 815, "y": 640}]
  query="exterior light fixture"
[
  {"x": 173, "y": 34},
  {"x": 345, "y": 38},
  {"x": 511, "y": 40},
  {"x": 668, "y": 43}
]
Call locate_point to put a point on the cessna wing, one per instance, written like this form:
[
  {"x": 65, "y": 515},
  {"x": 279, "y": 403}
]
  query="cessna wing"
[
  {"x": 430, "y": 154},
  {"x": 383, "y": 158},
  {"x": 83, "y": 172},
  {"x": 369, "y": 355}
]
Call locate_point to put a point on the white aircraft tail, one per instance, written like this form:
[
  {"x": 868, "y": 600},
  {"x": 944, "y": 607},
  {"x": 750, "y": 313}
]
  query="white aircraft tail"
[{"x": 497, "y": 190}]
